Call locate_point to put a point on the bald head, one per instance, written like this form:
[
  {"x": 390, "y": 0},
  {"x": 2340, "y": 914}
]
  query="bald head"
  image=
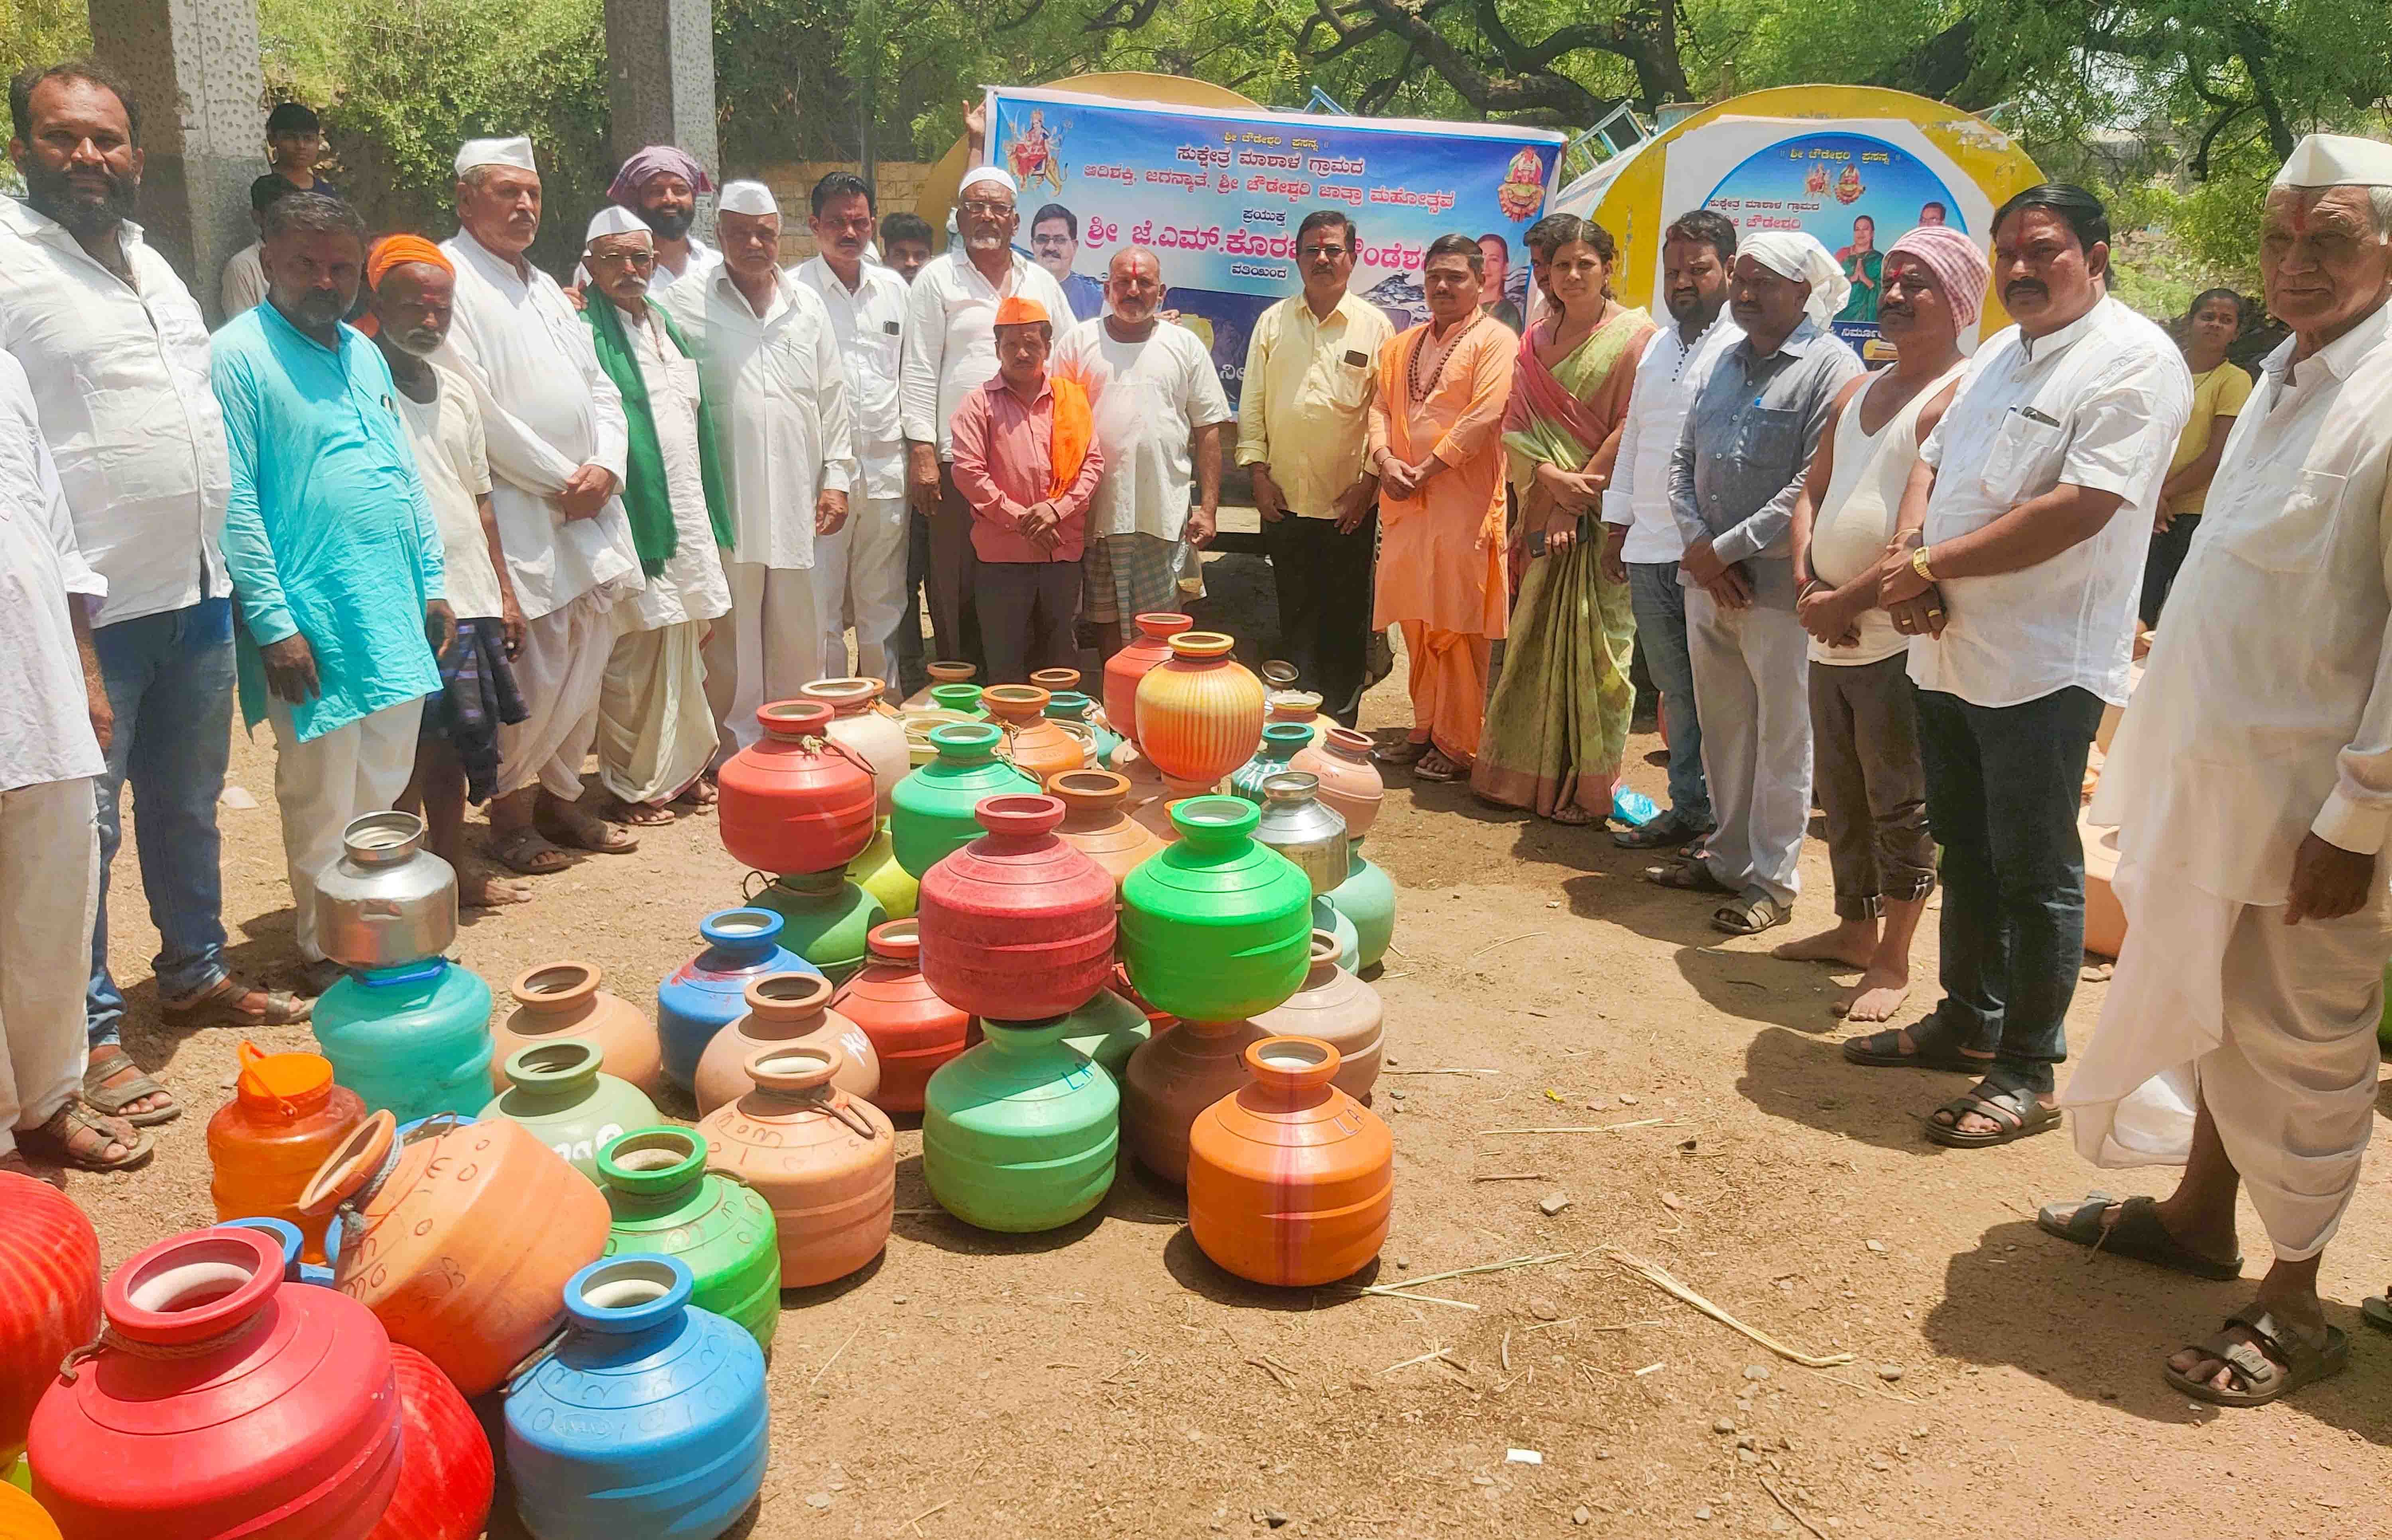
[{"x": 1134, "y": 286}]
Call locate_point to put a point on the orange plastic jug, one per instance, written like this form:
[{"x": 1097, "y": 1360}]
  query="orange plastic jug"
[
  {"x": 1289, "y": 1180},
  {"x": 285, "y": 1117}
]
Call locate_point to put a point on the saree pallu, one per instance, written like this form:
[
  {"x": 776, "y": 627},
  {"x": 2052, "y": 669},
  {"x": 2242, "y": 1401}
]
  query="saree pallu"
[{"x": 1559, "y": 723}]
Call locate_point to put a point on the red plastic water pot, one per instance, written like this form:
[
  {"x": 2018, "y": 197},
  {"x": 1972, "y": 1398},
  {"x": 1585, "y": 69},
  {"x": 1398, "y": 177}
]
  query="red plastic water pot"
[
  {"x": 222, "y": 1402},
  {"x": 911, "y": 1030},
  {"x": 49, "y": 1296},
  {"x": 446, "y": 1474},
  {"x": 1124, "y": 669},
  {"x": 797, "y": 800},
  {"x": 1017, "y": 925}
]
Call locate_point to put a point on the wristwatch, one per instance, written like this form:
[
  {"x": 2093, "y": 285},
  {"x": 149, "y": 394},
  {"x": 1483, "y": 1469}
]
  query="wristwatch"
[{"x": 1918, "y": 564}]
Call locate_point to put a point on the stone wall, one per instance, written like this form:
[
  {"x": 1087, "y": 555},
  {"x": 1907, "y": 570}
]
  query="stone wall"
[{"x": 896, "y": 184}]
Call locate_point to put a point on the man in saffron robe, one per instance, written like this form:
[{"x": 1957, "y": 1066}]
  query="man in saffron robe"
[{"x": 1437, "y": 445}]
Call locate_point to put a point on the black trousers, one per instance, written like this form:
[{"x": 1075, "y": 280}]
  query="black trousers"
[
  {"x": 953, "y": 580},
  {"x": 906, "y": 643},
  {"x": 1027, "y": 610},
  {"x": 1324, "y": 605},
  {"x": 2168, "y": 548}
]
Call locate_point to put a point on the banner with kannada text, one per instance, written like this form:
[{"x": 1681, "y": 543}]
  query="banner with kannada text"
[{"x": 1219, "y": 196}]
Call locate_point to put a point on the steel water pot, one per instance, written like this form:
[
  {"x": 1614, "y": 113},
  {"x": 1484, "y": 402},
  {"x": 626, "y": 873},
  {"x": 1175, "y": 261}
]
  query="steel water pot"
[
  {"x": 388, "y": 901},
  {"x": 1297, "y": 824}
]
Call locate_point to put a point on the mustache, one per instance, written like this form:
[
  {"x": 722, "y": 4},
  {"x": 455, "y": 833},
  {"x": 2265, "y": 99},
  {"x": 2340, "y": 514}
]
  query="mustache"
[{"x": 2026, "y": 286}]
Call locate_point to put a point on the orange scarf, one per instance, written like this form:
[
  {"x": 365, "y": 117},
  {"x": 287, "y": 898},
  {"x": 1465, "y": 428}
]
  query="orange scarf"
[{"x": 1074, "y": 425}]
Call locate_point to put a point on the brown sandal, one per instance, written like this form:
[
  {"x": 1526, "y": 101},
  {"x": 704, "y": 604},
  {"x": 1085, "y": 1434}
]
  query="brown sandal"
[
  {"x": 57, "y": 1138},
  {"x": 220, "y": 1005},
  {"x": 527, "y": 853},
  {"x": 106, "y": 1063}
]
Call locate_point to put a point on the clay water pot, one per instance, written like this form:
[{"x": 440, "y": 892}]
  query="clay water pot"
[
  {"x": 222, "y": 1401},
  {"x": 285, "y": 1117},
  {"x": 1127, "y": 668},
  {"x": 445, "y": 1473},
  {"x": 563, "y": 1000},
  {"x": 1200, "y": 714},
  {"x": 935, "y": 804},
  {"x": 1291, "y": 1182},
  {"x": 826, "y": 1161},
  {"x": 1338, "y": 1009},
  {"x": 785, "y": 1010},
  {"x": 666, "y": 1203},
  {"x": 940, "y": 673},
  {"x": 1171, "y": 1078},
  {"x": 1349, "y": 782},
  {"x": 1037, "y": 745},
  {"x": 797, "y": 800},
  {"x": 1096, "y": 824},
  {"x": 460, "y": 1239},
  {"x": 559, "y": 1094},
  {"x": 1216, "y": 927},
  {"x": 913, "y": 1031},
  {"x": 1056, "y": 681},
  {"x": 49, "y": 1296},
  {"x": 1016, "y": 925},
  {"x": 865, "y": 725}
]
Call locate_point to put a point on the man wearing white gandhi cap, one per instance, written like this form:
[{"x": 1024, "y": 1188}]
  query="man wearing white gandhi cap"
[
  {"x": 778, "y": 395},
  {"x": 951, "y": 351},
  {"x": 558, "y": 444},
  {"x": 2251, "y": 783}
]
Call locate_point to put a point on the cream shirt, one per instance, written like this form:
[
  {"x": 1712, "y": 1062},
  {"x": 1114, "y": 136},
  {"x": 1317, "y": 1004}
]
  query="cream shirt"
[
  {"x": 1304, "y": 401},
  {"x": 2097, "y": 404},
  {"x": 1667, "y": 378},
  {"x": 2272, "y": 718},
  {"x": 1147, "y": 398},
  {"x": 127, "y": 409},
  {"x": 244, "y": 280},
  {"x": 869, "y": 323},
  {"x": 44, "y": 715},
  {"x": 445, "y": 433},
  {"x": 779, "y": 400},
  {"x": 951, "y": 338},
  {"x": 547, "y": 410}
]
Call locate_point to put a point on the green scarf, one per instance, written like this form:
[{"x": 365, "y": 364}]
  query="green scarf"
[{"x": 644, "y": 498}]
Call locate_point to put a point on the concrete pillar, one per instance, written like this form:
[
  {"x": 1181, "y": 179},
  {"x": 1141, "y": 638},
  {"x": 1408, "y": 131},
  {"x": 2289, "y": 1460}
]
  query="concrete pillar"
[
  {"x": 193, "y": 65},
  {"x": 660, "y": 81}
]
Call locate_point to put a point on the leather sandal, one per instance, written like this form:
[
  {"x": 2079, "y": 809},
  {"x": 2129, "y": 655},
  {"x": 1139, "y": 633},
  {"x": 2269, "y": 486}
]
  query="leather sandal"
[
  {"x": 220, "y": 1005},
  {"x": 2280, "y": 1362},
  {"x": 109, "y": 1061},
  {"x": 56, "y": 1140},
  {"x": 2136, "y": 1233},
  {"x": 2017, "y": 1110}
]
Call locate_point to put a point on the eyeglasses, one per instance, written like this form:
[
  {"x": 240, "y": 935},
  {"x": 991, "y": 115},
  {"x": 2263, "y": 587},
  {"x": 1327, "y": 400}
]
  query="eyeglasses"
[
  {"x": 639, "y": 262},
  {"x": 1314, "y": 252},
  {"x": 986, "y": 208}
]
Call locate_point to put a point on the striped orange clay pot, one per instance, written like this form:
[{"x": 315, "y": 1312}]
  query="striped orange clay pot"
[{"x": 1200, "y": 713}]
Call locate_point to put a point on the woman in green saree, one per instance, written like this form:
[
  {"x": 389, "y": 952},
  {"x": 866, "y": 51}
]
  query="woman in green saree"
[{"x": 1559, "y": 723}]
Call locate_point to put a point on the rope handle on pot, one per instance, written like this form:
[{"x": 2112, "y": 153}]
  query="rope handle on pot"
[
  {"x": 112, "y": 1340},
  {"x": 747, "y": 888}
]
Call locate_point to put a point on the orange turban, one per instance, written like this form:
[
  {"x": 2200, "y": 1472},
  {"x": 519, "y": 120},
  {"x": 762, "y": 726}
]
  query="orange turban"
[
  {"x": 393, "y": 251},
  {"x": 1018, "y": 311}
]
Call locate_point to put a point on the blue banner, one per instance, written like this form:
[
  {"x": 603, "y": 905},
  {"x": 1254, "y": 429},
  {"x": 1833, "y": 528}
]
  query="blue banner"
[{"x": 1220, "y": 195}]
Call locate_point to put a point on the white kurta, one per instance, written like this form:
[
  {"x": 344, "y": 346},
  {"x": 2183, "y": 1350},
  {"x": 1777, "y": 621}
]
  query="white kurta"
[
  {"x": 2269, "y": 720},
  {"x": 547, "y": 410},
  {"x": 780, "y": 407},
  {"x": 1147, "y": 398},
  {"x": 690, "y": 586},
  {"x": 951, "y": 337}
]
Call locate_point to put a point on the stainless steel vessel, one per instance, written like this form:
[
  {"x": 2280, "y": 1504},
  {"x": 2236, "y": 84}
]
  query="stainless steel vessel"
[
  {"x": 1297, "y": 824},
  {"x": 388, "y": 901}
]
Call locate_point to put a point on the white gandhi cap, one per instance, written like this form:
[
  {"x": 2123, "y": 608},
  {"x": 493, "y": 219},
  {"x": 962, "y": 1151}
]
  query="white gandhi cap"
[
  {"x": 749, "y": 197},
  {"x": 2337, "y": 161},
  {"x": 614, "y": 219},
  {"x": 515, "y": 152}
]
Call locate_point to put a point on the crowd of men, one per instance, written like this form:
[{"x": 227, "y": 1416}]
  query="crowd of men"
[{"x": 499, "y": 526}]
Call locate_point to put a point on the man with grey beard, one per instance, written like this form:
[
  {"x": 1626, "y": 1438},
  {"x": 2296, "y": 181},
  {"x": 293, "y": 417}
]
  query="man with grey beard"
[{"x": 457, "y": 754}]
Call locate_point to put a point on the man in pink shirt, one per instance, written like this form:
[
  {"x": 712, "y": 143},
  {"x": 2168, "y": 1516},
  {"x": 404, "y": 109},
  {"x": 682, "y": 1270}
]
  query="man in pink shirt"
[{"x": 1027, "y": 462}]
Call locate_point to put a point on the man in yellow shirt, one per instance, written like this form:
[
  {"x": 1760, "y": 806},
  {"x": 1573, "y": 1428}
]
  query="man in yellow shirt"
[{"x": 1303, "y": 432}]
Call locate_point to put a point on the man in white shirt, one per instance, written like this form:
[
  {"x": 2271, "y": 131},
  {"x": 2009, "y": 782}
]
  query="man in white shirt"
[
  {"x": 2251, "y": 786},
  {"x": 661, "y": 184},
  {"x": 950, "y": 352},
  {"x": 1643, "y": 541},
  {"x": 2015, "y": 571},
  {"x": 554, "y": 425},
  {"x": 54, "y": 726},
  {"x": 770, "y": 372},
  {"x": 656, "y": 728},
  {"x": 860, "y": 568},
  {"x": 1159, "y": 408},
  {"x": 94, "y": 314}
]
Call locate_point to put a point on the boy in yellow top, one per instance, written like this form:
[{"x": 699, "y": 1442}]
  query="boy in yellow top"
[{"x": 2219, "y": 388}]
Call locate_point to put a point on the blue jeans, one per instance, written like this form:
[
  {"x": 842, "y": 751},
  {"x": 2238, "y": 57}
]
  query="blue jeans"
[
  {"x": 2003, "y": 787},
  {"x": 170, "y": 683},
  {"x": 1660, "y": 606}
]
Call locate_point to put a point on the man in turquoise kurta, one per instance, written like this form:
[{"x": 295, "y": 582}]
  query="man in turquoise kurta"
[{"x": 332, "y": 545}]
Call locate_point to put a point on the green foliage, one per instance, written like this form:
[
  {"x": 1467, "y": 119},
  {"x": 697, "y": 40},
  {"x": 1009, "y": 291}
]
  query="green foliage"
[{"x": 36, "y": 31}]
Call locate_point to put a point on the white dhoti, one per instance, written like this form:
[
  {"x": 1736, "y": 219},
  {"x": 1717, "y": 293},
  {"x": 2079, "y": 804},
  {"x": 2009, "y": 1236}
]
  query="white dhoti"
[
  {"x": 1753, "y": 674},
  {"x": 2271, "y": 1026},
  {"x": 655, "y": 731},
  {"x": 860, "y": 580},
  {"x": 49, "y": 892},
  {"x": 559, "y": 672},
  {"x": 323, "y": 784},
  {"x": 770, "y": 643}
]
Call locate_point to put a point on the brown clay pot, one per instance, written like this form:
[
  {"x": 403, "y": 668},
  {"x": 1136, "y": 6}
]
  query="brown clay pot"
[
  {"x": 1338, "y": 1009},
  {"x": 1349, "y": 782},
  {"x": 785, "y": 1010},
  {"x": 825, "y": 1161},
  {"x": 1173, "y": 1077},
  {"x": 1056, "y": 681},
  {"x": 1036, "y": 744},
  {"x": 940, "y": 673},
  {"x": 563, "y": 1000},
  {"x": 1096, "y": 824}
]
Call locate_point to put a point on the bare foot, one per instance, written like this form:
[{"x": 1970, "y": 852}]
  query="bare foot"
[
  {"x": 1876, "y": 997},
  {"x": 476, "y": 890},
  {"x": 1850, "y": 942}
]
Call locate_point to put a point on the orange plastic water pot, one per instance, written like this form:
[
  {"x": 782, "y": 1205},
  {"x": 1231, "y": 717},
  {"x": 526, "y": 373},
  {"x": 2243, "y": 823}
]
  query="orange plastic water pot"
[{"x": 1289, "y": 1180}]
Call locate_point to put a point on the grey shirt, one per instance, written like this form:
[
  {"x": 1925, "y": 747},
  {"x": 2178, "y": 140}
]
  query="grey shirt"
[{"x": 1746, "y": 448}]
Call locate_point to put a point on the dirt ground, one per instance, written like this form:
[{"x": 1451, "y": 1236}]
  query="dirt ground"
[{"x": 1106, "y": 1380}]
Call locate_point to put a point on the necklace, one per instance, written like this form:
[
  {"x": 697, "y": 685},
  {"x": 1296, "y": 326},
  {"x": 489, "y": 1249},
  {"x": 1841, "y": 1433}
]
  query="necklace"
[{"x": 1444, "y": 350}]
